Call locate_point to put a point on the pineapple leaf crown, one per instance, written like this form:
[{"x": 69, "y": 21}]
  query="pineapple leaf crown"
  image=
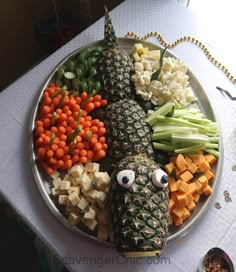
[{"x": 110, "y": 39}]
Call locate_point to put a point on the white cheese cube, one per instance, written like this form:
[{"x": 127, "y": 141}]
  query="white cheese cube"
[
  {"x": 155, "y": 53},
  {"x": 65, "y": 185},
  {"x": 74, "y": 189},
  {"x": 138, "y": 47},
  {"x": 85, "y": 182},
  {"x": 102, "y": 179},
  {"x": 76, "y": 170},
  {"x": 75, "y": 181},
  {"x": 136, "y": 56},
  {"x": 91, "y": 224},
  {"x": 100, "y": 196},
  {"x": 55, "y": 174},
  {"x": 73, "y": 219},
  {"x": 90, "y": 214},
  {"x": 68, "y": 178},
  {"x": 92, "y": 167},
  {"x": 74, "y": 199},
  {"x": 62, "y": 200},
  {"x": 91, "y": 195},
  {"x": 83, "y": 203},
  {"x": 138, "y": 66},
  {"x": 56, "y": 183},
  {"x": 102, "y": 232},
  {"x": 55, "y": 192}
]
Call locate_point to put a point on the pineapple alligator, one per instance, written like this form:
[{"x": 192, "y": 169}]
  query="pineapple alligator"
[{"x": 138, "y": 196}]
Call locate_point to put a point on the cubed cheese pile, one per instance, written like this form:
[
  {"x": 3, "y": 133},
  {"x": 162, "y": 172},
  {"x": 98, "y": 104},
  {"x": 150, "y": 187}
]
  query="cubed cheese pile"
[
  {"x": 172, "y": 84},
  {"x": 83, "y": 192},
  {"x": 192, "y": 179}
]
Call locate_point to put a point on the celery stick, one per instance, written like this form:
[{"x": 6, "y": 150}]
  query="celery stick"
[
  {"x": 163, "y": 110},
  {"x": 211, "y": 145},
  {"x": 168, "y": 134},
  {"x": 194, "y": 138},
  {"x": 162, "y": 136},
  {"x": 162, "y": 128},
  {"x": 189, "y": 149},
  {"x": 212, "y": 151},
  {"x": 214, "y": 139},
  {"x": 197, "y": 120},
  {"x": 164, "y": 147},
  {"x": 180, "y": 122}
]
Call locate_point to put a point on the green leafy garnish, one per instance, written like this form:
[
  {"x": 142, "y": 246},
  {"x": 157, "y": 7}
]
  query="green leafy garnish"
[{"x": 155, "y": 76}]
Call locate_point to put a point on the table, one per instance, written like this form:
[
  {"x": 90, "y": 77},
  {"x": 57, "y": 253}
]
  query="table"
[{"x": 17, "y": 184}]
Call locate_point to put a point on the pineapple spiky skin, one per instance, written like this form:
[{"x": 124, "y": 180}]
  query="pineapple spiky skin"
[
  {"x": 140, "y": 213},
  {"x": 127, "y": 131},
  {"x": 114, "y": 66}
]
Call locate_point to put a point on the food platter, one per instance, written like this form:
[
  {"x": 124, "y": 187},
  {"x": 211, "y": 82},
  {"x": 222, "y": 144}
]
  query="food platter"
[{"x": 43, "y": 180}]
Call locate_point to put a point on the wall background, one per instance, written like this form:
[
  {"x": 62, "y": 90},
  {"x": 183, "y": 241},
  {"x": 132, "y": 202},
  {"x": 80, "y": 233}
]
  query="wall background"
[{"x": 20, "y": 46}]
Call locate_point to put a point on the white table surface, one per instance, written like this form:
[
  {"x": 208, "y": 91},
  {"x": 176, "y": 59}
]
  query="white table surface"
[{"x": 17, "y": 185}]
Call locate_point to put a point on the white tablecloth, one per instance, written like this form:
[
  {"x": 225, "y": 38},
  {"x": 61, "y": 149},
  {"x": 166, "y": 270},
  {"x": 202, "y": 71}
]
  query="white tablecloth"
[{"x": 217, "y": 228}]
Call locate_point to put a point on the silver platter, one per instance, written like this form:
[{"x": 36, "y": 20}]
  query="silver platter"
[{"x": 43, "y": 181}]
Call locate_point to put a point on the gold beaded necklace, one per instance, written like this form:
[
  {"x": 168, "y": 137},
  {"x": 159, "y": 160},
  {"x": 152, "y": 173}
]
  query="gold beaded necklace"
[{"x": 184, "y": 39}]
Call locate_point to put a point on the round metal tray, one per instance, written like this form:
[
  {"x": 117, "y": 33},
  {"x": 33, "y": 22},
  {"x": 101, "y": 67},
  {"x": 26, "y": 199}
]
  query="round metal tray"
[{"x": 43, "y": 181}]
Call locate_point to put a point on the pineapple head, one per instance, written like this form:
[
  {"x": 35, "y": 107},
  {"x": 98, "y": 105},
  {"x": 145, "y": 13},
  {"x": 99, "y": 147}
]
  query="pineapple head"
[{"x": 138, "y": 204}]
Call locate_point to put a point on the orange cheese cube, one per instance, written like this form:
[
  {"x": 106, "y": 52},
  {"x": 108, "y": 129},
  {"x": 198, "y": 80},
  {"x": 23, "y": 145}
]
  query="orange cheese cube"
[
  {"x": 207, "y": 190},
  {"x": 178, "y": 221},
  {"x": 188, "y": 160},
  {"x": 209, "y": 174},
  {"x": 191, "y": 206},
  {"x": 196, "y": 197},
  {"x": 186, "y": 176},
  {"x": 169, "y": 167},
  {"x": 199, "y": 186},
  {"x": 198, "y": 159},
  {"x": 181, "y": 163},
  {"x": 172, "y": 185},
  {"x": 183, "y": 187},
  {"x": 204, "y": 165},
  {"x": 178, "y": 182},
  {"x": 181, "y": 200},
  {"x": 192, "y": 188},
  {"x": 171, "y": 204},
  {"x": 178, "y": 211},
  {"x": 189, "y": 197},
  {"x": 203, "y": 180},
  {"x": 173, "y": 196},
  {"x": 192, "y": 167},
  {"x": 186, "y": 214},
  {"x": 210, "y": 158},
  {"x": 171, "y": 219}
]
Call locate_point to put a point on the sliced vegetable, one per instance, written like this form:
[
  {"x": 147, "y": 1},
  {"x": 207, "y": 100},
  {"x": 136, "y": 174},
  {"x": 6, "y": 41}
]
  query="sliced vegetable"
[{"x": 185, "y": 132}]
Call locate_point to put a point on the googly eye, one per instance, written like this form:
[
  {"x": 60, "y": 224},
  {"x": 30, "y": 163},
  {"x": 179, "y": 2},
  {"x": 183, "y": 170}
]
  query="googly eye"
[
  {"x": 159, "y": 178},
  {"x": 126, "y": 178}
]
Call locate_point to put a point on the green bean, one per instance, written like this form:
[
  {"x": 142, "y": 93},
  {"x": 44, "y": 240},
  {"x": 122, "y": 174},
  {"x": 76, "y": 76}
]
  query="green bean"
[
  {"x": 97, "y": 86},
  {"x": 60, "y": 72},
  {"x": 92, "y": 72},
  {"x": 91, "y": 85},
  {"x": 79, "y": 72}
]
